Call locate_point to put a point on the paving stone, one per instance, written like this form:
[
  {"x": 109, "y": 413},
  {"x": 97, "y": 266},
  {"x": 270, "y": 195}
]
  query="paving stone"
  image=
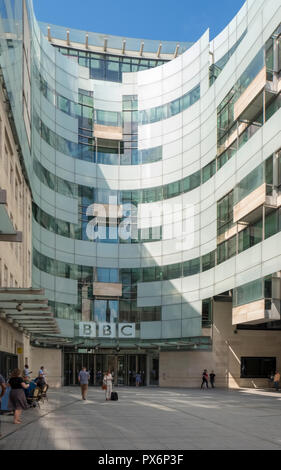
[{"x": 150, "y": 419}]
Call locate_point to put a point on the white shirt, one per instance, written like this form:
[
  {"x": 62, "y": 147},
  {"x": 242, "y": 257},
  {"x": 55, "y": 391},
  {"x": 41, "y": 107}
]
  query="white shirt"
[{"x": 108, "y": 378}]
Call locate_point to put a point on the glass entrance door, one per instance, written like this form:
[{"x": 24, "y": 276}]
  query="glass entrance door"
[
  {"x": 132, "y": 370},
  {"x": 124, "y": 368},
  {"x": 121, "y": 370},
  {"x": 100, "y": 369},
  {"x": 142, "y": 369}
]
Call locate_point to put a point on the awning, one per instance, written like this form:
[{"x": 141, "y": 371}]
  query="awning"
[
  {"x": 28, "y": 310},
  {"x": 7, "y": 231}
]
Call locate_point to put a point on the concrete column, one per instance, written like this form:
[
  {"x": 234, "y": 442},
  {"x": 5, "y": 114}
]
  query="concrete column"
[
  {"x": 148, "y": 360},
  {"x": 74, "y": 369}
]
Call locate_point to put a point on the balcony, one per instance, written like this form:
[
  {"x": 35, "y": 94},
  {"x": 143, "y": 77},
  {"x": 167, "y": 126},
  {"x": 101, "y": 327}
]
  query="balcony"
[
  {"x": 104, "y": 289},
  {"x": 255, "y": 98},
  {"x": 260, "y": 311},
  {"x": 249, "y": 209},
  {"x": 108, "y": 132}
]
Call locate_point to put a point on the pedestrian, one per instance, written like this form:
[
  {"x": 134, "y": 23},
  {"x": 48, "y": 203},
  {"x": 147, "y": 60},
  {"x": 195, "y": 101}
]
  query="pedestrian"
[
  {"x": 276, "y": 380},
  {"x": 99, "y": 377},
  {"x": 204, "y": 379},
  {"x": 26, "y": 371},
  {"x": 107, "y": 380},
  {"x": 2, "y": 393},
  {"x": 17, "y": 399},
  {"x": 138, "y": 379},
  {"x": 83, "y": 379},
  {"x": 212, "y": 379}
]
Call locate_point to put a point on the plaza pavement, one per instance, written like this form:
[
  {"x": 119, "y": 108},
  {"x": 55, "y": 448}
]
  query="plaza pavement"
[{"x": 149, "y": 418}]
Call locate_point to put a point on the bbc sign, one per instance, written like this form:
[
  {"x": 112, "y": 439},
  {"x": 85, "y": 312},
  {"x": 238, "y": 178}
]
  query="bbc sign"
[{"x": 107, "y": 330}]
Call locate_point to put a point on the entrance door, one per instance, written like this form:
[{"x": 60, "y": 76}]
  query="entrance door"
[
  {"x": 100, "y": 369},
  {"x": 68, "y": 369},
  {"x": 121, "y": 370},
  {"x": 154, "y": 371},
  {"x": 91, "y": 368},
  {"x": 141, "y": 368},
  {"x": 132, "y": 370},
  {"x": 80, "y": 361},
  {"x": 123, "y": 367}
]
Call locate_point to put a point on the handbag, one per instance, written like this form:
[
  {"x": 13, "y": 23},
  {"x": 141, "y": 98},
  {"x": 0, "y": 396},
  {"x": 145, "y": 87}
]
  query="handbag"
[{"x": 104, "y": 387}]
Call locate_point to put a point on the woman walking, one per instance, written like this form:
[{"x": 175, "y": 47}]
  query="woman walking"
[
  {"x": 17, "y": 399},
  {"x": 107, "y": 380}
]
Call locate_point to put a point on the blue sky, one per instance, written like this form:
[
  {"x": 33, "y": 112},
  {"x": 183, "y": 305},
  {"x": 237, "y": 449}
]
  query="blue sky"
[{"x": 179, "y": 20}]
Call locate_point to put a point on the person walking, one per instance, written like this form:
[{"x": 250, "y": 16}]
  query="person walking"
[
  {"x": 107, "y": 380},
  {"x": 17, "y": 399},
  {"x": 138, "y": 379},
  {"x": 212, "y": 379},
  {"x": 276, "y": 380},
  {"x": 83, "y": 379},
  {"x": 2, "y": 393},
  {"x": 26, "y": 371},
  {"x": 204, "y": 379}
]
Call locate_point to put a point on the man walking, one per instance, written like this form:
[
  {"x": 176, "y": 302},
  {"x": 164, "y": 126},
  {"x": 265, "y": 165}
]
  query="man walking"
[
  {"x": 212, "y": 379},
  {"x": 83, "y": 379}
]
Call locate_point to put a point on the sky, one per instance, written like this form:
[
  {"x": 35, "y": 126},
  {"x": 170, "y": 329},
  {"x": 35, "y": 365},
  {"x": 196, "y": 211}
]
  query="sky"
[{"x": 170, "y": 20}]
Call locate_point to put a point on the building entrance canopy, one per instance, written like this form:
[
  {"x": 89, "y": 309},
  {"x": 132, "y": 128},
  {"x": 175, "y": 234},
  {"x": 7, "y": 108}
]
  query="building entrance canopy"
[{"x": 28, "y": 310}]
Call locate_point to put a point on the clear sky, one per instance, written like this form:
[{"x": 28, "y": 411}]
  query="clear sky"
[{"x": 174, "y": 20}]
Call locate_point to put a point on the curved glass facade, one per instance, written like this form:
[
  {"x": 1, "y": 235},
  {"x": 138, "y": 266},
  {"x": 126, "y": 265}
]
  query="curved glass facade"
[{"x": 141, "y": 169}]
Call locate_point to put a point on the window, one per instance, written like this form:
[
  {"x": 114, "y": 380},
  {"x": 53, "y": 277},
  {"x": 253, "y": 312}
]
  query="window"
[
  {"x": 248, "y": 293},
  {"x": 108, "y": 275},
  {"x": 208, "y": 261},
  {"x": 106, "y": 311},
  {"x": 207, "y": 313},
  {"x": 257, "y": 367},
  {"x": 208, "y": 171},
  {"x": 225, "y": 213},
  {"x": 170, "y": 109}
]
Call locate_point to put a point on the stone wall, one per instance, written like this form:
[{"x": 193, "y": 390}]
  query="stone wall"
[
  {"x": 184, "y": 369},
  {"x": 51, "y": 359}
]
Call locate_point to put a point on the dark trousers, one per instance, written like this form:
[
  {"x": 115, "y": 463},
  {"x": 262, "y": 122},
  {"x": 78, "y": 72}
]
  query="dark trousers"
[
  {"x": 204, "y": 381},
  {"x": 212, "y": 383}
]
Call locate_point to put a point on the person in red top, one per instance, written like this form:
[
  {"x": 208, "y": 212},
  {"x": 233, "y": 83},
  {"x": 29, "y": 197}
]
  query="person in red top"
[{"x": 204, "y": 379}]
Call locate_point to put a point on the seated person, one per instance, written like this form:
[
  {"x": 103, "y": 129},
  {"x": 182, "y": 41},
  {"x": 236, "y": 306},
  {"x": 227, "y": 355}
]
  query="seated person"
[{"x": 40, "y": 381}]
